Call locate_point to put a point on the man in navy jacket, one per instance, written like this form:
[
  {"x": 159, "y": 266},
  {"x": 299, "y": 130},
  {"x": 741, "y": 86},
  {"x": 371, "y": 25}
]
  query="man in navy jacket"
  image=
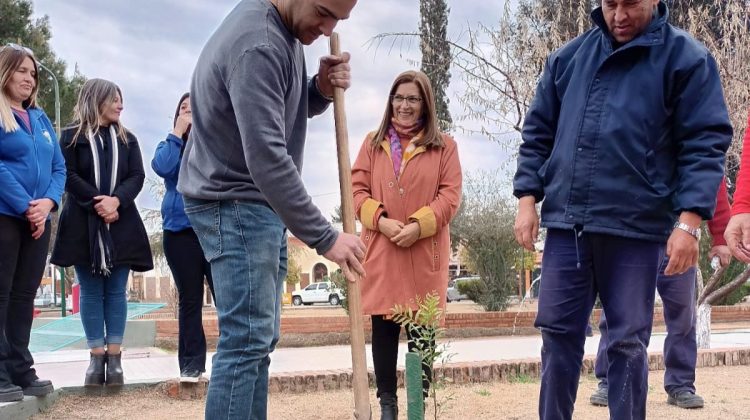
[{"x": 624, "y": 143}]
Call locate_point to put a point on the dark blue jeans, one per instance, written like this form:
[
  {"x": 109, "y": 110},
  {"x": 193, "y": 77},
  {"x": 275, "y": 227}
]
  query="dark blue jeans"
[
  {"x": 103, "y": 305},
  {"x": 680, "y": 348},
  {"x": 622, "y": 271},
  {"x": 246, "y": 245}
]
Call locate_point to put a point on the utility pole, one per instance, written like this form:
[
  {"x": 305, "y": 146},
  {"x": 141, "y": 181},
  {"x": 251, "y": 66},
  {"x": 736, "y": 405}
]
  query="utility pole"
[{"x": 57, "y": 97}]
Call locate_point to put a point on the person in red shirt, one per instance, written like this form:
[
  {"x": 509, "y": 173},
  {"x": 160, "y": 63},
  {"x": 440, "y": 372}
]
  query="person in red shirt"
[{"x": 737, "y": 233}]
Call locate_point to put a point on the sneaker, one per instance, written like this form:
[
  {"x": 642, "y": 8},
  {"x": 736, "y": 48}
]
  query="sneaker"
[
  {"x": 10, "y": 393},
  {"x": 599, "y": 397},
  {"x": 38, "y": 388},
  {"x": 192, "y": 376},
  {"x": 685, "y": 399}
]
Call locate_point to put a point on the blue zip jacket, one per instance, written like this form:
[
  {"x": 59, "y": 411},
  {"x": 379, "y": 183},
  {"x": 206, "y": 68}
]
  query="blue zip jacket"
[
  {"x": 31, "y": 165},
  {"x": 166, "y": 164},
  {"x": 620, "y": 141}
]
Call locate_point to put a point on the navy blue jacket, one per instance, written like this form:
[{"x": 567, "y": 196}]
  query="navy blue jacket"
[
  {"x": 166, "y": 164},
  {"x": 620, "y": 141},
  {"x": 31, "y": 165}
]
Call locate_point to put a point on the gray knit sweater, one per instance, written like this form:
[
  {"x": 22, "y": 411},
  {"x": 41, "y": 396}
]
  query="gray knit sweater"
[{"x": 251, "y": 99}]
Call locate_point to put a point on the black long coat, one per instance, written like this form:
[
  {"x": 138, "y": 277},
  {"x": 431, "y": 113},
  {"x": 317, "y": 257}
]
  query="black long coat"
[{"x": 131, "y": 245}]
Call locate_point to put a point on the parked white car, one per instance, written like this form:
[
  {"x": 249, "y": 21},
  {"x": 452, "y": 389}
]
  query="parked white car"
[
  {"x": 320, "y": 292},
  {"x": 454, "y": 295},
  {"x": 43, "y": 300}
]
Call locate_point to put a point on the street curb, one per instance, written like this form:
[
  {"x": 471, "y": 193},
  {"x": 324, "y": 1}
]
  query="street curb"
[
  {"x": 488, "y": 371},
  {"x": 28, "y": 407}
]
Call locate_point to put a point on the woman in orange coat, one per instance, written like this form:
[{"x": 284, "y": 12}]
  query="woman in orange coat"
[{"x": 407, "y": 188}]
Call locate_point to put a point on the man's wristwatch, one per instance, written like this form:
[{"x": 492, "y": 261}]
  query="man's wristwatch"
[{"x": 696, "y": 232}]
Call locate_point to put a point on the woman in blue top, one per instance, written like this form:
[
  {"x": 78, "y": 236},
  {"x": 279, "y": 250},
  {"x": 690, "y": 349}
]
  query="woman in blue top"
[
  {"x": 32, "y": 180},
  {"x": 182, "y": 249}
]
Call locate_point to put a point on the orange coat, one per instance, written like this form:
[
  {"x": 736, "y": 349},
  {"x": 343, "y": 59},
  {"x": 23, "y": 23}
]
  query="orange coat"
[{"x": 428, "y": 192}]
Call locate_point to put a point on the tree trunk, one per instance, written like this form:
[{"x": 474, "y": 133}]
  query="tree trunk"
[{"x": 703, "y": 326}]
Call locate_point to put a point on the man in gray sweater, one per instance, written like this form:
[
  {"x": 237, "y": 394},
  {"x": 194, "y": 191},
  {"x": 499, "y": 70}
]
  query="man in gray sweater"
[{"x": 240, "y": 178}]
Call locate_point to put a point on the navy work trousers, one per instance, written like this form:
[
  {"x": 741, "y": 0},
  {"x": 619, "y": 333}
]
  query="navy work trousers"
[
  {"x": 622, "y": 271},
  {"x": 680, "y": 347}
]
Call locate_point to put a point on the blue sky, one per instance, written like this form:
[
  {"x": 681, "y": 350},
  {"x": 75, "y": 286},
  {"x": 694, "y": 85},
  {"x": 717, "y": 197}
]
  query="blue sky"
[{"x": 149, "y": 48}]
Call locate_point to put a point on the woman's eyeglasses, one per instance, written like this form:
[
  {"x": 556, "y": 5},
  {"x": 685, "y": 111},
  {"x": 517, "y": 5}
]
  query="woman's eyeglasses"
[{"x": 411, "y": 100}]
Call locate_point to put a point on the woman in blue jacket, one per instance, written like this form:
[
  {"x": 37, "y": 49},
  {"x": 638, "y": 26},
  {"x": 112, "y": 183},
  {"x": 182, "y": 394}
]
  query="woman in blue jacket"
[
  {"x": 32, "y": 179},
  {"x": 182, "y": 249}
]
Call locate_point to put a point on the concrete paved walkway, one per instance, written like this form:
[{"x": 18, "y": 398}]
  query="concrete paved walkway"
[{"x": 66, "y": 368}]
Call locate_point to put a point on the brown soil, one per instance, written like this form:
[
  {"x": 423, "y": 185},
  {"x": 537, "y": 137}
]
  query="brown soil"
[{"x": 725, "y": 390}]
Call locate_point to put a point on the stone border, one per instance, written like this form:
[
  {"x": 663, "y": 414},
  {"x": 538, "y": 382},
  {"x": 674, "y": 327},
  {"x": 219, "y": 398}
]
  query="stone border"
[{"x": 489, "y": 371}]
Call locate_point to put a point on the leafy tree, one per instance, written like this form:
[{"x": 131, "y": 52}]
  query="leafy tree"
[
  {"x": 569, "y": 17},
  {"x": 484, "y": 227},
  {"x": 436, "y": 54},
  {"x": 679, "y": 13},
  {"x": 18, "y": 27},
  {"x": 341, "y": 283},
  {"x": 293, "y": 270}
]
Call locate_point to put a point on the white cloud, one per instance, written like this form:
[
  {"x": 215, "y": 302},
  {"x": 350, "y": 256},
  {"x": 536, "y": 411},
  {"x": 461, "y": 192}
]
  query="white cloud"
[{"x": 149, "y": 48}]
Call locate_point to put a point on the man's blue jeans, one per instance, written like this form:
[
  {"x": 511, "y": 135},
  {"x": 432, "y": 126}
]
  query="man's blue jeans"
[
  {"x": 104, "y": 305},
  {"x": 577, "y": 266},
  {"x": 680, "y": 347},
  {"x": 245, "y": 243}
]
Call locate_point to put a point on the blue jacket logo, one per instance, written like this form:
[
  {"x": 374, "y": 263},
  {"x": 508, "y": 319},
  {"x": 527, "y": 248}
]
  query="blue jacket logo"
[{"x": 47, "y": 136}]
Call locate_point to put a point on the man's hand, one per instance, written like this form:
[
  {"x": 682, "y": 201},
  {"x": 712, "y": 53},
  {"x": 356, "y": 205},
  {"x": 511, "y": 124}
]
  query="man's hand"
[
  {"x": 349, "y": 253},
  {"x": 106, "y": 205},
  {"x": 39, "y": 210},
  {"x": 334, "y": 71},
  {"x": 682, "y": 247},
  {"x": 408, "y": 235},
  {"x": 526, "y": 228},
  {"x": 724, "y": 254},
  {"x": 682, "y": 250},
  {"x": 737, "y": 235},
  {"x": 389, "y": 227}
]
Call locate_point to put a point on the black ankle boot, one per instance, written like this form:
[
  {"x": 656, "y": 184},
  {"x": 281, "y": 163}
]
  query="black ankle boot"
[
  {"x": 38, "y": 388},
  {"x": 114, "y": 370},
  {"x": 388, "y": 406},
  {"x": 95, "y": 372},
  {"x": 10, "y": 393}
]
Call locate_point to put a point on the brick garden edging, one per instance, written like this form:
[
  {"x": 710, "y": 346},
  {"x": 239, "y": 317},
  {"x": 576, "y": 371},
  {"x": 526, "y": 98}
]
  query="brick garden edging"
[
  {"x": 457, "y": 324},
  {"x": 479, "y": 372}
]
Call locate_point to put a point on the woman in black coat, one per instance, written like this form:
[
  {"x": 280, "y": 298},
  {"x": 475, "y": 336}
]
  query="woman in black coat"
[{"x": 101, "y": 232}]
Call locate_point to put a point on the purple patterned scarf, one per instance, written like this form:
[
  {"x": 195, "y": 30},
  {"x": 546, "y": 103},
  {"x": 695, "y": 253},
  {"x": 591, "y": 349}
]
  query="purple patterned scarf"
[{"x": 397, "y": 131}]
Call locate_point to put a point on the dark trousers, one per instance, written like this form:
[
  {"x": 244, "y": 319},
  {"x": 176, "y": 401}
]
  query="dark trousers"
[
  {"x": 680, "y": 348},
  {"x": 385, "y": 335},
  {"x": 22, "y": 261},
  {"x": 189, "y": 268},
  {"x": 622, "y": 271}
]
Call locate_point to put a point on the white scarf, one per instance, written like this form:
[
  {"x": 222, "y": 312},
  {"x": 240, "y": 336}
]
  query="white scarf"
[{"x": 97, "y": 179}]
